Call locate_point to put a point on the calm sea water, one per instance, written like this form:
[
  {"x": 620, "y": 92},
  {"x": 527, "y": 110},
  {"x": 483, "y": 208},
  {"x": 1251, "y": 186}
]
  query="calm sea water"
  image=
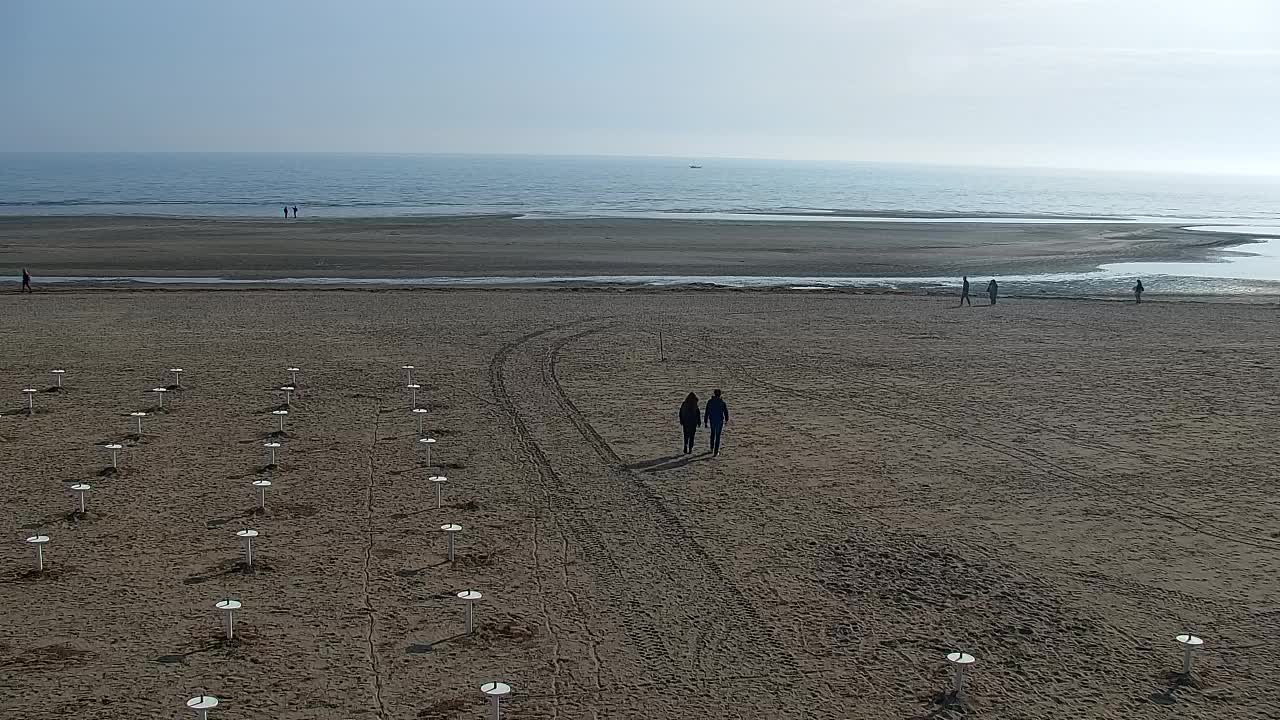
[{"x": 338, "y": 185}]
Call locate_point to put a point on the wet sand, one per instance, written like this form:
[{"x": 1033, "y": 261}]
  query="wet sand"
[
  {"x": 1057, "y": 487},
  {"x": 504, "y": 246}
]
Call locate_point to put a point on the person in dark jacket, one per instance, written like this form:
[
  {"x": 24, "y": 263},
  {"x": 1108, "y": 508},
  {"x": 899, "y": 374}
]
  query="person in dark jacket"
[
  {"x": 717, "y": 417},
  {"x": 993, "y": 290},
  {"x": 964, "y": 293},
  {"x": 26, "y": 281},
  {"x": 1137, "y": 292},
  {"x": 690, "y": 419}
]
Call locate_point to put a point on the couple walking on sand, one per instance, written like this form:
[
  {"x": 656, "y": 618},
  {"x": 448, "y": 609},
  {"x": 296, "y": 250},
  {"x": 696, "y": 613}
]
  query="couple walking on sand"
[
  {"x": 692, "y": 417},
  {"x": 993, "y": 291}
]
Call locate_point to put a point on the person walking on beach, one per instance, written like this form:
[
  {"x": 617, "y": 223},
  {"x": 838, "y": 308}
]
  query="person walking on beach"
[
  {"x": 1137, "y": 292},
  {"x": 295, "y": 212},
  {"x": 690, "y": 419},
  {"x": 717, "y": 416},
  {"x": 993, "y": 290},
  {"x": 964, "y": 293},
  {"x": 26, "y": 281}
]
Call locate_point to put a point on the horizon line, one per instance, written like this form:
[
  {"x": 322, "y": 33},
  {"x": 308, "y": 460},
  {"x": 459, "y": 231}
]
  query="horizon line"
[{"x": 680, "y": 158}]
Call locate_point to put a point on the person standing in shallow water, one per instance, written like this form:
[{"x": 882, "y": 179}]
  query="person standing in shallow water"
[
  {"x": 286, "y": 212},
  {"x": 717, "y": 416},
  {"x": 690, "y": 419},
  {"x": 295, "y": 212},
  {"x": 1137, "y": 292},
  {"x": 993, "y": 290},
  {"x": 964, "y": 293}
]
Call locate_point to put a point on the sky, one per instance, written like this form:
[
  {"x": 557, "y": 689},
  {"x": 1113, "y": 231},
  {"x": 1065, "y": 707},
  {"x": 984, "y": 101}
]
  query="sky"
[{"x": 1163, "y": 85}]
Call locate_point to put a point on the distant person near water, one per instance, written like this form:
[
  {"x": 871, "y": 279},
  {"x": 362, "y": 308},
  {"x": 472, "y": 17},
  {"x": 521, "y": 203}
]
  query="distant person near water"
[
  {"x": 993, "y": 290},
  {"x": 295, "y": 211},
  {"x": 964, "y": 293},
  {"x": 286, "y": 212},
  {"x": 26, "y": 281},
  {"x": 1137, "y": 292},
  {"x": 717, "y": 416},
  {"x": 690, "y": 419}
]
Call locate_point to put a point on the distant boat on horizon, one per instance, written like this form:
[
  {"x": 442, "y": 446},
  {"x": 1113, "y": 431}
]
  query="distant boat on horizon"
[{"x": 696, "y": 167}]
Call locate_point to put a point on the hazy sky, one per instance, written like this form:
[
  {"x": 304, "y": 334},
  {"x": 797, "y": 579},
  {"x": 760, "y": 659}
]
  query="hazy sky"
[{"x": 1145, "y": 84}]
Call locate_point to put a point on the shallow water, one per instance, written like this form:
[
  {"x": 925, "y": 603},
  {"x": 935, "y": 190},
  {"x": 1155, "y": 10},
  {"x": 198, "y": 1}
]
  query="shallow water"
[
  {"x": 831, "y": 217},
  {"x": 1259, "y": 261}
]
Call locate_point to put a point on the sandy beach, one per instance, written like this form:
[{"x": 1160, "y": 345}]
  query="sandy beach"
[
  {"x": 1058, "y": 487},
  {"x": 506, "y": 246}
]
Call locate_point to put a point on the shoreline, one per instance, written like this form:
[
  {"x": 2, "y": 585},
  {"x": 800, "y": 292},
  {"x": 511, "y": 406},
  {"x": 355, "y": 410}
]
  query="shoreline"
[{"x": 73, "y": 290}]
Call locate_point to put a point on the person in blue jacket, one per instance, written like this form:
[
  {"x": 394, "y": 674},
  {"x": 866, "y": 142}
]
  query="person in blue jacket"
[
  {"x": 717, "y": 416},
  {"x": 690, "y": 419}
]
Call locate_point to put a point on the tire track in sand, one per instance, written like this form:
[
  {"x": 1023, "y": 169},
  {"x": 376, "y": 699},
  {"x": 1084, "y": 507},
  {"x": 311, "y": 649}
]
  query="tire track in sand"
[
  {"x": 497, "y": 382},
  {"x": 666, "y": 519},
  {"x": 367, "y": 604},
  {"x": 645, "y": 570}
]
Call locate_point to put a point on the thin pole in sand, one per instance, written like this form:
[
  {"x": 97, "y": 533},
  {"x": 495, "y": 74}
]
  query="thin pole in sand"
[
  {"x": 470, "y": 597},
  {"x": 413, "y": 394},
  {"x": 280, "y": 414},
  {"x": 419, "y": 412},
  {"x": 1189, "y": 644},
  {"x": 138, "y": 415},
  {"x": 31, "y": 402},
  {"x": 202, "y": 705},
  {"x": 271, "y": 448},
  {"x": 177, "y": 374},
  {"x": 159, "y": 391},
  {"x": 81, "y": 489},
  {"x": 409, "y": 369},
  {"x": 293, "y": 375},
  {"x": 427, "y": 442},
  {"x": 229, "y": 607},
  {"x": 262, "y": 486},
  {"x": 288, "y": 394},
  {"x": 114, "y": 448},
  {"x": 438, "y": 481},
  {"x": 39, "y": 541},
  {"x": 662, "y": 349},
  {"x": 58, "y": 374},
  {"x": 248, "y": 536},
  {"x": 961, "y": 661},
  {"x": 449, "y": 531},
  {"x": 495, "y": 691}
]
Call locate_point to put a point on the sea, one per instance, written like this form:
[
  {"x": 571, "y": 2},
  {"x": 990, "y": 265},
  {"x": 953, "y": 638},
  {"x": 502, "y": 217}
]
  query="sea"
[
  {"x": 532, "y": 187},
  {"x": 342, "y": 185}
]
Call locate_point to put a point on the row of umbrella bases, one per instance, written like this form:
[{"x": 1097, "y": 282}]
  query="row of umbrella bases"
[{"x": 493, "y": 690}]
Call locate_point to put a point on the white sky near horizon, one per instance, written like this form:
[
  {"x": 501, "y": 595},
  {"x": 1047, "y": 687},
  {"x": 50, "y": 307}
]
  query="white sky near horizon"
[{"x": 1163, "y": 85}]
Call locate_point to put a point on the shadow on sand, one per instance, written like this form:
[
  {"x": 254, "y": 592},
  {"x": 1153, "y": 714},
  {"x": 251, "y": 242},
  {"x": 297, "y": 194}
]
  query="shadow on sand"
[
  {"x": 420, "y": 648},
  {"x": 1177, "y": 681},
  {"x": 670, "y": 462}
]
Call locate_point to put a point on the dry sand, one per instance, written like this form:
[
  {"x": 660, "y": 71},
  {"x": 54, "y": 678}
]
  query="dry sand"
[
  {"x": 1057, "y": 487},
  {"x": 420, "y": 247}
]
